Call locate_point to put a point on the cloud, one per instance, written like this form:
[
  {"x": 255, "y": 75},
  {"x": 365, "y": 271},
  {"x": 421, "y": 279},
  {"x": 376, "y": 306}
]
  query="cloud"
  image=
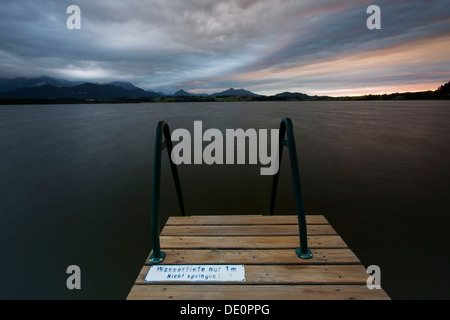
[{"x": 262, "y": 45}]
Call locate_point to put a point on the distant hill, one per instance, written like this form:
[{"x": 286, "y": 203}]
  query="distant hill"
[
  {"x": 81, "y": 92},
  {"x": 18, "y": 83},
  {"x": 154, "y": 94},
  {"x": 295, "y": 95},
  {"x": 122, "y": 84},
  {"x": 235, "y": 93},
  {"x": 182, "y": 93},
  {"x": 51, "y": 88}
]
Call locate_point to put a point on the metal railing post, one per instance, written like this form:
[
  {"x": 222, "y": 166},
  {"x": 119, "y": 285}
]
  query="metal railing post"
[
  {"x": 173, "y": 166},
  {"x": 273, "y": 194},
  {"x": 286, "y": 128},
  {"x": 162, "y": 129}
]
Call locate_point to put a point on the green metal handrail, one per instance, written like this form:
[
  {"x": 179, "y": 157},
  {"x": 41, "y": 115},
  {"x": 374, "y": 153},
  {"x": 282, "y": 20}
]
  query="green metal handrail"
[
  {"x": 163, "y": 131},
  {"x": 286, "y": 128}
]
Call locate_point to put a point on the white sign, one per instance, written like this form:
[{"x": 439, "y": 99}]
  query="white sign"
[{"x": 196, "y": 273}]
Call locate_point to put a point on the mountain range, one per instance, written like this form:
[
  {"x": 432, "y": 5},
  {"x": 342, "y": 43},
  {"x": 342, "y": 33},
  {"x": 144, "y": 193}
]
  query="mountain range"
[
  {"x": 47, "y": 88},
  {"x": 51, "y": 89}
]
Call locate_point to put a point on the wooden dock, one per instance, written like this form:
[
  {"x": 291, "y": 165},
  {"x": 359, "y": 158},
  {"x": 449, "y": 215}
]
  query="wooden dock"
[{"x": 265, "y": 245}]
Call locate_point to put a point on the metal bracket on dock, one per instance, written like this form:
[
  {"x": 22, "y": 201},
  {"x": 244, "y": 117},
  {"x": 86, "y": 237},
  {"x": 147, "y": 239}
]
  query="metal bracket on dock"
[{"x": 155, "y": 260}]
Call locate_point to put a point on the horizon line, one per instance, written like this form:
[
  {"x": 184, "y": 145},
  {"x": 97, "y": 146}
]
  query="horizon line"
[{"x": 268, "y": 93}]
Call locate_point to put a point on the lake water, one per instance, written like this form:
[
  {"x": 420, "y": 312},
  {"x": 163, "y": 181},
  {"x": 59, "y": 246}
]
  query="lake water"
[{"x": 75, "y": 188}]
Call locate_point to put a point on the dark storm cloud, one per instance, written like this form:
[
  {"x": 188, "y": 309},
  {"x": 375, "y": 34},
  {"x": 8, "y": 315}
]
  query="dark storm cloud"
[{"x": 261, "y": 45}]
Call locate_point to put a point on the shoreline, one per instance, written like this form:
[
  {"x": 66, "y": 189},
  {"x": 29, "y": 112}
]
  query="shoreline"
[{"x": 390, "y": 97}]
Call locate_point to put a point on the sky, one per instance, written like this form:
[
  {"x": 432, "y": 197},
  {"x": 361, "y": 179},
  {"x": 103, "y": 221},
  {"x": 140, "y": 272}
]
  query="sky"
[{"x": 317, "y": 47}]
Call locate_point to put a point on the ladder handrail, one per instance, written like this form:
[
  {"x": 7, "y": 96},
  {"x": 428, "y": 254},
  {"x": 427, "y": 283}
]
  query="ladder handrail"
[
  {"x": 162, "y": 130},
  {"x": 286, "y": 128}
]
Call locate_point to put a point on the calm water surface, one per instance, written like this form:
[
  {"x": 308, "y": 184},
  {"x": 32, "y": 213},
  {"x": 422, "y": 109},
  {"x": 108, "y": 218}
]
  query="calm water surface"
[{"x": 75, "y": 188}]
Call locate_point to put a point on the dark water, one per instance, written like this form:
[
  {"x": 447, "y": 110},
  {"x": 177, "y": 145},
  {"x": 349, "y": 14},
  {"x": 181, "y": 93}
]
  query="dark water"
[{"x": 75, "y": 188}]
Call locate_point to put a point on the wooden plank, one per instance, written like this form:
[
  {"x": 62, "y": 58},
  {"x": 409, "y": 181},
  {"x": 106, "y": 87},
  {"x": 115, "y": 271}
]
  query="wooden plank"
[
  {"x": 296, "y": 274},
  {"x": 249, "y": 230},
  {"x": 243, "y": 220},
  {"x": 249, "y": 242},
  {"x": 247, "y": 257},
  {"x": 255, "y": 292}
]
